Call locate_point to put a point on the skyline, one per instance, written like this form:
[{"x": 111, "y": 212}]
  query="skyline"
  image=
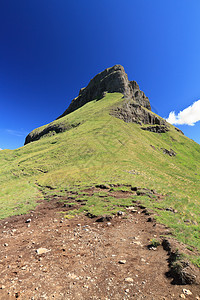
[{"x": 50, "y": 50}]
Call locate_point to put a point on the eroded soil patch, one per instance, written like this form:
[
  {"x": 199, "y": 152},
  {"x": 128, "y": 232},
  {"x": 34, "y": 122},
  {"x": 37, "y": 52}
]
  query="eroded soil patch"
[{"x": 85, "y": 259}]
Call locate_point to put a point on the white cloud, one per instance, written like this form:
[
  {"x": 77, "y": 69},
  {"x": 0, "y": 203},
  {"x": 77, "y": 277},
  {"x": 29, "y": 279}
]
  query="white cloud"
[
  {"x": 1, "y": 149},
  {"x": 188, "y": 116}
]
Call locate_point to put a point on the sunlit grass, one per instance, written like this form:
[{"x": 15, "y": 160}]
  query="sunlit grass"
[{"x": 106, "y": 149}]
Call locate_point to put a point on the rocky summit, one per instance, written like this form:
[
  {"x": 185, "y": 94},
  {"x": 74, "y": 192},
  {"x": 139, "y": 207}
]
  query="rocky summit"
[
  {"x": 111, "y": 80},
  {"x": 135, "y": 108}
]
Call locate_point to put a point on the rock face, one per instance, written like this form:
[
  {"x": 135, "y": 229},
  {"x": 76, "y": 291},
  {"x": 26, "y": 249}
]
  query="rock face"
[
  {"x": 50, "y": 130},
  {"x": 132, "y": 112},
  {"x": 111, "y": 80}
]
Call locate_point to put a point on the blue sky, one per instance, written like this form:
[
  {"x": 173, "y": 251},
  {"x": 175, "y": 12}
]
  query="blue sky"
[{"x": 49, "y": 49}]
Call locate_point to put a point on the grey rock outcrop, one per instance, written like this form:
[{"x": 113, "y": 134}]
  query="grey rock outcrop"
[
  {"x": 49, "y": 130},
  {"x": 157, "y": 128},
  {"x": 111, "y": 80},
  {"x": 132, "y": 112}
]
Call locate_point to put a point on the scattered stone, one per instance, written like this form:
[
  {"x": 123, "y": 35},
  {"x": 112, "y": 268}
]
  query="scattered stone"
[
  {"x": 187, "y": 292},
  {"x": 141, "y": 193},
  {"x": 134, "y": 188},
  {"x": 5, "y": 245},
  {"x": 3, "y": 287},
  {"x": 129, "y": 279},
  {"x": 150, "y": 219},
  {"x": 137, "y": 243},
  {"x": 90, "y": 215},
  {"x": 152, "y": 248},
  {"x": 42, "y": 251},
  {"x": 103, "y": 186},
  {"x": 104, "y": 218},
  {"x": 169, "y": 152},
  {"x": 182, "y": 296},
  {"x": 72, "y": 276},
  {"x": 122, "y": 262},
  {"x": 17, "y": 295},
  {"x": 109, "y": 223},
  {"x": 120, "y": 213},
  {"x": 28, "y": 221},
  {"x": 130, "y": 208},
  {"x": 170, "y": 209}
]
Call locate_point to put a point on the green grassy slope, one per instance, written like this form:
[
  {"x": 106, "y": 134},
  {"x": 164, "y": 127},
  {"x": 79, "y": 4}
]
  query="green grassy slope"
[{"x": 106, "y": 149}]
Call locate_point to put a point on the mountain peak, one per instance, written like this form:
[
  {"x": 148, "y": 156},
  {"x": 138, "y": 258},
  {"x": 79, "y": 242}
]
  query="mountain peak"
[{"x": 110, "y": 80}]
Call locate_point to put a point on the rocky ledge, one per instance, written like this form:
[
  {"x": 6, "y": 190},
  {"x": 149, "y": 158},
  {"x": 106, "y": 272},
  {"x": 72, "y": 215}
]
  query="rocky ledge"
[{"x": 131, "y": 112}]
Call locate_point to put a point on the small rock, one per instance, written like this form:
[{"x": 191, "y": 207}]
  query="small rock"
[
  {"x": 3, "y": 287},
  {"x": 137, "y": 243},
  {"x": 109, "y": 223},
  {"x": 104, "y": 218},
  {"x": 5, "y": 245},
  {"x": 187, "y": 292},
  {"x": 122, "y": 262},
  {"x": 153, "y": 248},
  {"x": 129, "y": 279},
  {"x": 120, "y": 213},
  {"x": 127, "y": 291},
  {"x": 17, "y": 295},
  {"x": 130, "y": 208},
  {"x": 182, "y": 296},
  {"x": 42, "y": 250},
  {"x": 72, "y": 276},
  {"x": 28, "y": 221},
  {"x": 103, "y": 186}
]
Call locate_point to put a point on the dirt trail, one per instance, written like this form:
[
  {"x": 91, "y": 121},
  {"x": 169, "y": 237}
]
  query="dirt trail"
[{"x": 85, "y": 259}]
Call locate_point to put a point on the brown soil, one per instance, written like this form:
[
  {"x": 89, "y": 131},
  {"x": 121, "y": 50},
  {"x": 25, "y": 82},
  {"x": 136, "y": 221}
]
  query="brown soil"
[{"x": 83, "y": 258}]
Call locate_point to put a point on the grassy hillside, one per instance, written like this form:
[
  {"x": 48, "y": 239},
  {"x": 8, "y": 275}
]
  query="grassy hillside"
[{"x": 106, "y": 149}]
